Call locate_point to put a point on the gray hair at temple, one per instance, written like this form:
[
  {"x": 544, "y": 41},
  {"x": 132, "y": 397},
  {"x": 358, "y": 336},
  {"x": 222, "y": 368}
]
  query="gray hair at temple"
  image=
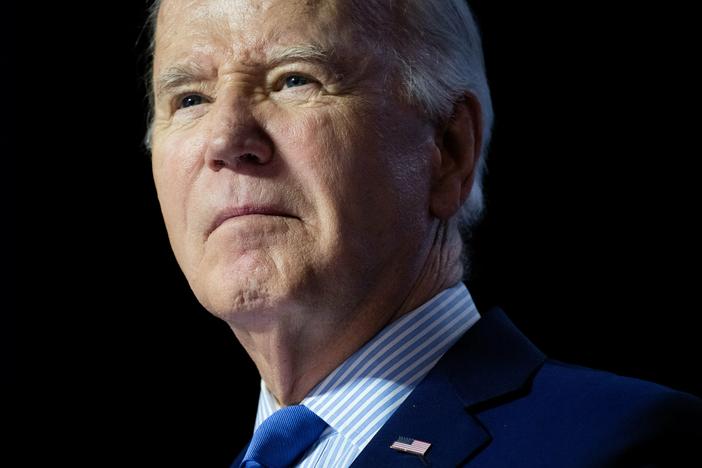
[{"x": 439, "y": 57}]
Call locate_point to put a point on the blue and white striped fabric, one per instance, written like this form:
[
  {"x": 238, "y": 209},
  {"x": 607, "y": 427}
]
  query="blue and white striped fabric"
[{"x": 359, "y": 396}]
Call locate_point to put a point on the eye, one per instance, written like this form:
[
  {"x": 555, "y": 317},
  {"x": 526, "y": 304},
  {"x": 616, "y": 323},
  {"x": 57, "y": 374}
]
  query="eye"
[
  {"x": 294, "y": 81},
  {"x": 190, "y": 100}
]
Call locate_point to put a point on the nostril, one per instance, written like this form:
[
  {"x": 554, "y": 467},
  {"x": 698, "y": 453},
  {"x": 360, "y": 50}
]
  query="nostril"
[
  {"x": 249, "y": 157},
  {"x": 242, "y": 160}
]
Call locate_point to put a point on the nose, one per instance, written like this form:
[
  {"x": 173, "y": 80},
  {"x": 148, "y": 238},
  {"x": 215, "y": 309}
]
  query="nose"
[{"x": 236, "y": 139}]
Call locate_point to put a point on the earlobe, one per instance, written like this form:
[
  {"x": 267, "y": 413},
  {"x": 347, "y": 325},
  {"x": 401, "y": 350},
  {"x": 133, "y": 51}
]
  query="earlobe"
[{"x": 458, "y": 146}]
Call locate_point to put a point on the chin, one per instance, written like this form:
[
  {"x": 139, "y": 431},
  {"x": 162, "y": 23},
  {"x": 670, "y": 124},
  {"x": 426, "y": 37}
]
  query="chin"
[
  {"x": 255, "y": 286},
  {"x": 243, "y": 297},
  {"x": 236, "y": 304}
]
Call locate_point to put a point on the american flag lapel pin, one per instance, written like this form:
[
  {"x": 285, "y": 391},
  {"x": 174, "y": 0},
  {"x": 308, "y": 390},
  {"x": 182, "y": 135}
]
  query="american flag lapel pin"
[{"x": 413, "y": 446}]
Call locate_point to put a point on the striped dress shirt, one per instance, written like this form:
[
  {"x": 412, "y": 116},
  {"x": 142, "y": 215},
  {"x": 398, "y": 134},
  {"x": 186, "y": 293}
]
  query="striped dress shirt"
[{"x": 360, "y": 395}]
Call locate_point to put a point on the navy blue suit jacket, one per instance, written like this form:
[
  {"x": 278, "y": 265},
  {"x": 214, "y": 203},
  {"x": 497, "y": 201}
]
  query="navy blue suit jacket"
[{"x": 494, "y": 400}]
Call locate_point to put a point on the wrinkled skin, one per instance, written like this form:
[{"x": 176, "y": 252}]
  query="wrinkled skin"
[{"x": 276, "y": 112}]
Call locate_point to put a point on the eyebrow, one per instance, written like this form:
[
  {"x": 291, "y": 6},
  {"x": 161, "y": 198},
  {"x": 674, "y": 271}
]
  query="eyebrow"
[
  {"x": 303, "y": 53},
  {"x": 191, "y": 72},
  {"x": 177, "y": 76}
]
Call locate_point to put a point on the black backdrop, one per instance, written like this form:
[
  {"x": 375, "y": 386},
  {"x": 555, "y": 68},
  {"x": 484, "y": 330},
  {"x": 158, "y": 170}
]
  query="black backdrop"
[{"x": 590, "y": 242}]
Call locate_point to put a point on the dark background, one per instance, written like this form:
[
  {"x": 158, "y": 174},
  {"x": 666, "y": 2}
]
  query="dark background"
[{"x": 590, "y": 242}]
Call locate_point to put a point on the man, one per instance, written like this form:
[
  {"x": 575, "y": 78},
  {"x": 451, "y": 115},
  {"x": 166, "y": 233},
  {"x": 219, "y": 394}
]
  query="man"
[{"x": 315, "y": 162}]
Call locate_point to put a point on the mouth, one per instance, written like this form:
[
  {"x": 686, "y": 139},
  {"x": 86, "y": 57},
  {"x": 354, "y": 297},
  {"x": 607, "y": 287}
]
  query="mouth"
[{"x": 247, "y": 210}]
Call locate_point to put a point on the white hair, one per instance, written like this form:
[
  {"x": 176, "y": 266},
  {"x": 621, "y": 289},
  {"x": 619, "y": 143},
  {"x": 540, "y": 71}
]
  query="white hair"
[
  {"x": 444, "y": 61},
  {"x": 439, "y": 57}
]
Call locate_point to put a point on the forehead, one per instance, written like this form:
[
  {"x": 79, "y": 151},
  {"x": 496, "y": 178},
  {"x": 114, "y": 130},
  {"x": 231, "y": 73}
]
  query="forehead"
[{"x": 246, "y": 30}]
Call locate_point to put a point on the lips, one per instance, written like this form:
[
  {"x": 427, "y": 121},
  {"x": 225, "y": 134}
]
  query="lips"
[{"x": 246, "y": 210}]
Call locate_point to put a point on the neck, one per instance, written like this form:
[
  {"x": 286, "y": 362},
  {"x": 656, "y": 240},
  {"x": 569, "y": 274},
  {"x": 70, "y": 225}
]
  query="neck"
[{"x": 292, "y": 358}]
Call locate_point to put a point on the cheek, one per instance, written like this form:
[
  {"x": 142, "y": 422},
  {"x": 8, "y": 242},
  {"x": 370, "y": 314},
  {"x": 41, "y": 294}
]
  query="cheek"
[
  {"x": 338, "y": 156},
  {"x": 175, "y": 166},
  {"x": 312, "y": 148}
]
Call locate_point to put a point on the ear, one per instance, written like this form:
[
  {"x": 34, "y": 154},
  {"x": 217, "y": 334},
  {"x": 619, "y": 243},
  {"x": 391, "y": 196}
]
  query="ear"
[{"x": 458, "y": 142}]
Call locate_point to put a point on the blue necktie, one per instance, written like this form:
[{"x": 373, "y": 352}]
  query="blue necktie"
[{"x": 283, "y": 437}]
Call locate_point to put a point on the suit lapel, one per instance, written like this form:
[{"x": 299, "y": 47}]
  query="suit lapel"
[
  {"x": 493, "y": 359},
  {"x": 432, "y": 413}
]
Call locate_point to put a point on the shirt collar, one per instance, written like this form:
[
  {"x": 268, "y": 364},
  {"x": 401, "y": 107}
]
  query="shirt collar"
[{"x": 360, "y": 395}]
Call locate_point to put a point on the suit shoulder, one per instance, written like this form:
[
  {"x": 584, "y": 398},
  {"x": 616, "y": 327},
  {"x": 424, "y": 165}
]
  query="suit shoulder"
[
  {"x": 647, "y": 418},
  {"x": 619, "y": 395},
  {"x": 575, "y": 382},
  {"x": 587, "y": 417}
]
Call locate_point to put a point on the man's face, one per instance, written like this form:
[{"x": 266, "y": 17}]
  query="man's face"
[{"x": 292, "y": 179}]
